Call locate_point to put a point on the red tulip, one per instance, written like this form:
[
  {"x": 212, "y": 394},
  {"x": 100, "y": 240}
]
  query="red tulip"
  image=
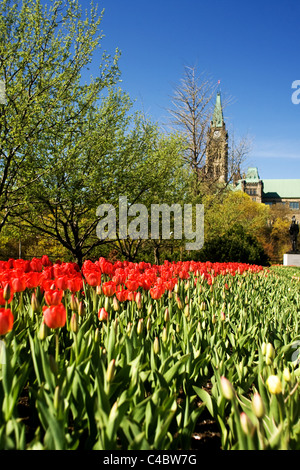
[
  {"x": 75, "y": 284},
  {"x": 19, "y": 284},
  {"x": 6, "y": 320},
  {"x": 53, "y": 297},
  {"x": 93, "y": 278},
  {"x": 129, "y": 295},
  {"x": 109, "y": 288},
  {"x": 121, "y": 295},
  {"x": 102, "y": 314},
  {"x": 33, "y": 279},
  {"x": 62, "y": 282},
  {"x": 36, "y": 264},
  {"x": 45, "y": 261},
  {"x": 156, "y": 292},
  {"x": 132, "y": 284},
  {"x": 55, "y": 316}
]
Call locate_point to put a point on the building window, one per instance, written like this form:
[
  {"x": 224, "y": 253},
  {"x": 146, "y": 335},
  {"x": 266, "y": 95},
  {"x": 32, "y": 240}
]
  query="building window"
[
  {"x": 251, "y": 191},
  {"x": 294, "y": 205},
  {"x": 269, "y": 203}
]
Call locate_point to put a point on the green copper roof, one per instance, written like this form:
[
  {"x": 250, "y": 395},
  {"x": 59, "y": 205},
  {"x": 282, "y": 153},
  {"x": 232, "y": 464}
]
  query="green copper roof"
[
  {"x": 252, "y": 175},
  {"x": 272, "y": 188},
  {"x": 217, "y": 120},
  {"x": 282, "y": 188}
]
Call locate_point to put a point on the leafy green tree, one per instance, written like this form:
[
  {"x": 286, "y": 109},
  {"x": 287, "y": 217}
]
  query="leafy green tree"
[
  {"x": 44, "y": 52},
  {"x": 231, "y": 209},
  {"x": 115, "y": 154},
  {"x": 235, "y": 245}
]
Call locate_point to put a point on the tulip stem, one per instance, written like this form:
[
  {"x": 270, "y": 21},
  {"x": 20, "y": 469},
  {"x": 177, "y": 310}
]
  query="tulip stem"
[{"x": 56, "y": 346}]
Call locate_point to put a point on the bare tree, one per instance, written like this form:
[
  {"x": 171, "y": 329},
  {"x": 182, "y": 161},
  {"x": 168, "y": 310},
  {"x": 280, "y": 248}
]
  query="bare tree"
[{"x": 192, "y": 111}]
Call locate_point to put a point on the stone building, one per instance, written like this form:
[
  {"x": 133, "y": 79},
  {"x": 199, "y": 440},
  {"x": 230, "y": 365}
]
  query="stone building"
[
  {"x": 271, "y": 191},
  {"x": 217, "y": 145},
  {"x": 266, "y": 191}
]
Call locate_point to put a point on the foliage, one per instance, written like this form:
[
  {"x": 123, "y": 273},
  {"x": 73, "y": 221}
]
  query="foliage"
[
  {"x": 43, "y": 53},
  {"x": 231, "y": 209},
  {"x": 67, "y": 146},
  {"x": 234, "y": 245}
]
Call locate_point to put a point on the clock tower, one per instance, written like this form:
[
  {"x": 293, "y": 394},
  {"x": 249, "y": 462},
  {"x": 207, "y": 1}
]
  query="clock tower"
[{"x": 216, "y": 165}]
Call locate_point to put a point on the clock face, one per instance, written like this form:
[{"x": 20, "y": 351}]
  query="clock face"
[{"x": 217, "y": 134}]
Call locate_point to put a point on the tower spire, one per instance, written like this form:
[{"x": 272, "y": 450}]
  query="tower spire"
[{"x": 217, "y": 120}]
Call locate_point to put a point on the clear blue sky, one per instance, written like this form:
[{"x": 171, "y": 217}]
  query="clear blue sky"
[{"x": 251, "y": 46}]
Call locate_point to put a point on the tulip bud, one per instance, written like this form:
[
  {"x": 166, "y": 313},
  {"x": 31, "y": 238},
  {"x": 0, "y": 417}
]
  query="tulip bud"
[
  {"x": 115, "y": 325},
  {"x": 116, "y": 305},
  {"x": 246, "y": 423},
  {"x": 264, "y": 348},
  {"x": 186, "y": 310},
  {"x": 164, "y": 335},
  {"x": 223, "y": 316},
  {"x": 6, "y": 292},
  {"x": 139, "y": 328},
  {"x": 110, "y": 373},
  {"x": 149, "y": 309},
  {"x": 179, "y": 303},
  {"x": 138, "y": 299},
  {"x": 74, "y": 303},
  {"x": 167, "y": 315},
  {"x": 156, "y": 345},
  {"x": 106, "y": 303},
  {"x": 43, "y": 331},
  {"x": 213, "y": 319},
  {"x": 35, "y": 305},
  {"x": 270, "y": 353},
  {"x": 97, "y": 333},
  {"x": 74, "y": 323},
  {"x": 274, "y": 384},
  {"x": 113, "y": 411},
  {"x": 148, "y": 325},
  {"x": 287, "y": 374},
  {"x": 227, "y": 388},
  {"x": 258, "y": 406},
  {"x": 81, "y": 309},
  {"x": 99, "y": 290}
]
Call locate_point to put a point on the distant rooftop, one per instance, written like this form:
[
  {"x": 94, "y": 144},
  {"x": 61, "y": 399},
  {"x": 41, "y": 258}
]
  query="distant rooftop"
[
  {"x": 285, "y": 188},
  {"x": 252, "y": 175},
  {"x": 273, "y": 188}
]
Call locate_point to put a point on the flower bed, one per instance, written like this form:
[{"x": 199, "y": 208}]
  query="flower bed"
[{"x": 137, "y": 356}]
